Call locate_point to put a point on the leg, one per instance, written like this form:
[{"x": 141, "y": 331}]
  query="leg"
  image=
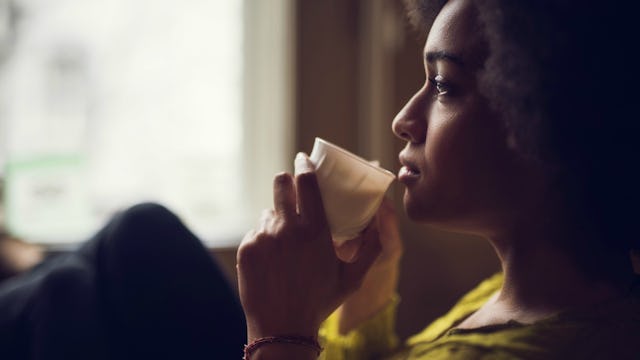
[
  {"x": 64, "y": 320},
  {"x": 51, "y": 312},
  {"x": 163, "y": 295}
]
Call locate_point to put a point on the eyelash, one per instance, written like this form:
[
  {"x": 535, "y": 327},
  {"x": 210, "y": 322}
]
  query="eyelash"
[{"x": 442, "y": 88}]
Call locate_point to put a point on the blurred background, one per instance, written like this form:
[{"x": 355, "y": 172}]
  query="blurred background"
[{"x": 196, "y": 105}]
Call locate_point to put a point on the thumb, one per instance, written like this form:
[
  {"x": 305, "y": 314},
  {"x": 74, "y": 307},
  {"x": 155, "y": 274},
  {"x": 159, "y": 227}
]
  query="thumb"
[{"x": 354, "y": 272}]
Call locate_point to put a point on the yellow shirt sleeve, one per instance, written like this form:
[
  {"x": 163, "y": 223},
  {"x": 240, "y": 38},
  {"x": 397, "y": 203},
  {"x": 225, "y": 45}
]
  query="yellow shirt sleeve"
[{"x": 373, "y": 339}]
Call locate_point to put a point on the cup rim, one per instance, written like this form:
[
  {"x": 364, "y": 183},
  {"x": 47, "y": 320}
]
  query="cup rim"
[{"x": 356, "y": 157}]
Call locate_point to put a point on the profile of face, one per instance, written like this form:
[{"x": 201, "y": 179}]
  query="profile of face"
[{"x": 458, "y": 170}]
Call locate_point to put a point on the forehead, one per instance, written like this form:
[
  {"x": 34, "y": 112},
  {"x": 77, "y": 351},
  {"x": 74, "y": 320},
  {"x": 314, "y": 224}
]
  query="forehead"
[{"x": 456, "y": 30}]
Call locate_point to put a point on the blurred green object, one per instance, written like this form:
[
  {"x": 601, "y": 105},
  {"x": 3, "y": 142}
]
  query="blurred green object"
[{"x": 47, "y": 196}]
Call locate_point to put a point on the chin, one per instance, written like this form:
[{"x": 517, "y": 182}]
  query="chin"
[
  {"x": 453, "y": 221},
  {"x": 415, "y": 209},
  {"x": 430, "y": 213}
]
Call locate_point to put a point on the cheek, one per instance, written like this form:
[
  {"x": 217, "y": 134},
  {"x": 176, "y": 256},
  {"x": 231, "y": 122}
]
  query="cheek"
[
  {"x": 450, "y": 145},
  {"x": 465, "y": 137},
  {"x": 433, "y": 197},
  {"x": 459, "y": 156}
]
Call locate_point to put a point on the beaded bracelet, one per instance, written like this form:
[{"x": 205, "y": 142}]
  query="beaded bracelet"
[{"x": 284, "y": 339}]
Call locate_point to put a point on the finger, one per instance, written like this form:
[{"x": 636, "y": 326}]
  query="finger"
[
  {"x": 386, "y": 214},
  {"x": 302, "y": 164},
  {"x": 387, "y": 204},
  {"x": 348, "y": 250},
  {"x": 370, "y": 234},
  {"x": 371, "y": 248},
  {"x": 284, "y": 196},
  {"x": 308, "y": 191},
  {"x": 248, "y": 239}
]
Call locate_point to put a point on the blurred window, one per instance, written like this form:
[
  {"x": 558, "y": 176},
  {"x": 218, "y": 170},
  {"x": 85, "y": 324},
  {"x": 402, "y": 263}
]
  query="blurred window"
[{"x": 104, "y": 104}]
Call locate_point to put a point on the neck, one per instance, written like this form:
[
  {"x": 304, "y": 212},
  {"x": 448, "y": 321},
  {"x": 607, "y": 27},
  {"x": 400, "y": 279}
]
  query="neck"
[{"x": 541, "y": 274}]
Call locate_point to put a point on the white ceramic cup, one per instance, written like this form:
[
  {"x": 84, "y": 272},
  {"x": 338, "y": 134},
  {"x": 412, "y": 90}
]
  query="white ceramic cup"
[{"x": 351, "y": 187}]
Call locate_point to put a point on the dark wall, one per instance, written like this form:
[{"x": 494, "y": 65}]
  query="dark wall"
[{"x": 326, "y": 60}]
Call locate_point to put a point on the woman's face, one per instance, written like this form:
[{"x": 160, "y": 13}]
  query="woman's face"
[{"x": 457, "y": 168}]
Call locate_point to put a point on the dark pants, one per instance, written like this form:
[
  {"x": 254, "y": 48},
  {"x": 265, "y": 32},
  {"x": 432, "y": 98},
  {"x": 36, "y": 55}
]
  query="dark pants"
[{"x": 143, "y": 288}]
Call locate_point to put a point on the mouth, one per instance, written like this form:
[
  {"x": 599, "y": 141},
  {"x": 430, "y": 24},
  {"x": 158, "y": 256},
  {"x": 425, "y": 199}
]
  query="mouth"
[{"x": 409, "y": 172}]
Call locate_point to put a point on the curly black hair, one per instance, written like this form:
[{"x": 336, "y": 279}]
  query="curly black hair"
[{"x": 560, "y": 71}]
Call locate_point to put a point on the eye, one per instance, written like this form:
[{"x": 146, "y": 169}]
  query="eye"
[{"x": 441, "y": 87}]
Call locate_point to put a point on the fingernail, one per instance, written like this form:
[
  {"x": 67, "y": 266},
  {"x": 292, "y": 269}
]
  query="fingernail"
[{"x": 302, "y": 163}]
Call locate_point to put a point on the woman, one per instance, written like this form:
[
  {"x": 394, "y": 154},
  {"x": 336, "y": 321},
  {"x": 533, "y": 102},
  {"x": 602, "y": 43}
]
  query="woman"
[{"x": 522, "y": 134}]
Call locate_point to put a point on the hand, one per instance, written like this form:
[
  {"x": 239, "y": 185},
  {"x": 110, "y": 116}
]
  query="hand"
[
  {"x": 389, "y": 235},
  {"x": 381, "y": 281},
  {"x": 289, "y": 276}
]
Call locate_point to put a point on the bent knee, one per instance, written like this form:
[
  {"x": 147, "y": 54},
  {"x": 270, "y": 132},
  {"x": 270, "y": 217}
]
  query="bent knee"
[
  {"x": 146, "y": 219},
  {"x": 148, "y": 211},
  {"x": 147, "y": 226}
]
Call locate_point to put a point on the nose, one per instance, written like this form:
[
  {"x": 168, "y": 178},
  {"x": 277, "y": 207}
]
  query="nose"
[{"x": 411, "y": 122}]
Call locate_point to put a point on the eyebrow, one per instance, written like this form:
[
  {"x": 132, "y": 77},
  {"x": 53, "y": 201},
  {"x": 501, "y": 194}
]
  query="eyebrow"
[{"x": 433, "y": 56}]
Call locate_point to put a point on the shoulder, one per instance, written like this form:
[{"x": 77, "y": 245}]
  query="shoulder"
[{"x": 607, "y": 331}]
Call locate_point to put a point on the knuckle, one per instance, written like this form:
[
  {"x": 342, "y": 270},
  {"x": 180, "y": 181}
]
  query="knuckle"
[
  {"x": 245, "y": 254},
  {"x": 251, "y": 248},
  {"x": 263, "y": 237},
  {"x": 266, "y": 214},
  {"x": 248, "y": 242},
  {"x": 282, "y": 227}
]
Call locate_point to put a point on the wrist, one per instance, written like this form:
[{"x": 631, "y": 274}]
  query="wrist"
[
  {"x": 374, "y": 296},
  {"x": 261, "y": 329},
  {"x": 379, "y": 285},
  {"x": 350, "y": 317},
  {"x": 283, "y": 347}
]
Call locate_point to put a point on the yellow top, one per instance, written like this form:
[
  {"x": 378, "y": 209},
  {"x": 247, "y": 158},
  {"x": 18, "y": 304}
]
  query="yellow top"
[{"x": 608, "y": 331}]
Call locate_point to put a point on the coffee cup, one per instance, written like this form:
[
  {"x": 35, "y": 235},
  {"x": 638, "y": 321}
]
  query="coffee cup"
[{"x": 351, "y": 187}]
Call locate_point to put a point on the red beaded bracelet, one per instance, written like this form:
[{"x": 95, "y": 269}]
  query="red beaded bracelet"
[{"x": 284, "y": 339}]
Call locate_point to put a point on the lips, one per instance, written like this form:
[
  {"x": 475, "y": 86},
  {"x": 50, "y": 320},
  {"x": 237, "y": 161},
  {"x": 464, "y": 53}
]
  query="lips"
[
  {"x": 409, "y": 171},
  {"x": 406, "y": 171}
]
